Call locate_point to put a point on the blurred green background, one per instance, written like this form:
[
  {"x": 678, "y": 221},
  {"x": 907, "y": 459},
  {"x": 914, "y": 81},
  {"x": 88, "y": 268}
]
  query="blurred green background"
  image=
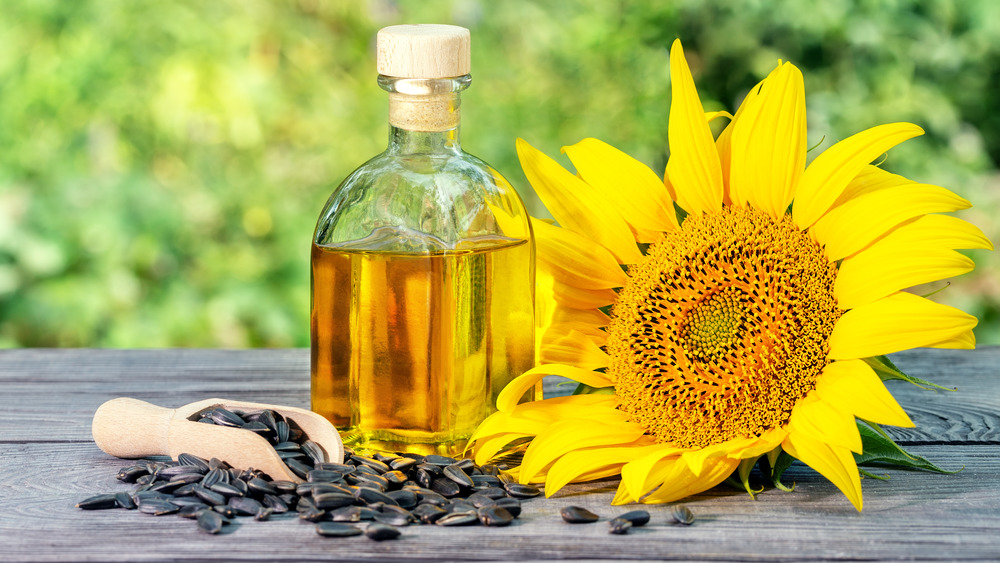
[{"x": 162, "y": 164}]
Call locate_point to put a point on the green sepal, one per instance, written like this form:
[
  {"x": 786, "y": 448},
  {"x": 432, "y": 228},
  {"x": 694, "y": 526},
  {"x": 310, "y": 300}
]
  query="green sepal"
[
  {"x": 879, "y": 449},
  {"x": 582, "y": 389},
  {"x": 779, "y": 460},
  {"x": 887, "y": 371},
  {"x": 743, "y": 471}
]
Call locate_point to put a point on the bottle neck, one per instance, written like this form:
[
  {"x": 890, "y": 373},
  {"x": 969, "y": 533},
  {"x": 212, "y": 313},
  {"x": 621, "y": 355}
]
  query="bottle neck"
[
  {"x": 404, "y": 141},
  {"x": 424, "y": 114}
]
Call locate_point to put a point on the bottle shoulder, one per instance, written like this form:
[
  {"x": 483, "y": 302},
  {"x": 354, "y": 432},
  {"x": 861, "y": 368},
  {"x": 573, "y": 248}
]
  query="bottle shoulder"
[{"x": 448, "y": 197}]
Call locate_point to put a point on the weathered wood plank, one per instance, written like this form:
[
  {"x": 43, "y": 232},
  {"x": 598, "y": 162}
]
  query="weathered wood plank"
[
  {"x": 31, "y": 379},
  {"x": 910, "y": 516}
]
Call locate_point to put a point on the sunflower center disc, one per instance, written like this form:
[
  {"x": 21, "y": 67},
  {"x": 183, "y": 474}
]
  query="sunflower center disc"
[{"x": 722, "y": 328}]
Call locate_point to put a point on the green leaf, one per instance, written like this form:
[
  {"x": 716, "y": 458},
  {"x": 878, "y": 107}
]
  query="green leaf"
[
  {"x": 582, "y": 389},
  {"x": 879, "y": 449},
  {"x": 888, "y": 371}
]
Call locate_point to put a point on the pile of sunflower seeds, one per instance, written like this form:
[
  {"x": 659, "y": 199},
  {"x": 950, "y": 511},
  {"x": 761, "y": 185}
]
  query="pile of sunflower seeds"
[{"x": 387, "y": 490}]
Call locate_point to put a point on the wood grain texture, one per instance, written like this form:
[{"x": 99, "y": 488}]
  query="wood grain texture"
[{"x": 48, "y": 463}]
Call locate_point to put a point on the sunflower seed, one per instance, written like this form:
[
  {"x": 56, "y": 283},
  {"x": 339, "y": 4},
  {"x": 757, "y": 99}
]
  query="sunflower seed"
[
  {"x": 458, "y": 519},
  {"x": 446, "y": 487},
  {"x": 404, "y": 498},
  {"x": 521, "y": 491},
  {"x": 428, "y": 513},
  {"x": 495, "y": 516},
  {"x": 99, "y": 502},
  {"x": 337, "y": 530},
  {"x": 131, "y": 473},
  {"x": 636, "y": 517},
  {"x": 512, "y": 505},
  {"x": 578, "y": 515},
  {"x": 619, "y": 525},
  {"x": 458, "y": 475},
  {"x": 392, "y": 518},
  {"x": 125, "y": 501},
  {"x": 225, "y": 417},
  {"x": 210, "y": 522},
  {"x": 683, "y": 515},
  {"x": 439, "y": 460},
  {"x": 191, "y": 460},
  {"x": 381, "y": 532},
  {"x": 243, "y": 506},
  {"x": 158, "y": 507}
]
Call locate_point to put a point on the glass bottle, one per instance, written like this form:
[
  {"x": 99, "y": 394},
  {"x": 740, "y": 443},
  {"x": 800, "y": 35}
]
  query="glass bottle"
[{"x": 422, "y": 268}]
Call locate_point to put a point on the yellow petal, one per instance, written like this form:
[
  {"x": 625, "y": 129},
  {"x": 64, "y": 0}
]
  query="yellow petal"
[
  {"x": 825, "y": 422},
  {"x": 574, "y": 297},
  {"x": 694, "y": 168},
  {"x": 769, "y": 144},
  {"x": 575, "y": 259},
  {"x": 829, "y": 174},
  {"x": 486, "y": 448},
  {"x": 568, "y": 435},
  {"x": 833, "y": 462},
  {"x": 697, "y": 460},
  {"x": 874, "y": 273},
  {"x": 575, "y": 349},
  {"x": 642, "y": 474},
  {"x": 574, "y": 466},
  {"x": 853, "y": 225},
  {"x": 683, "y": 483},
  {"x": 870, "y": 179},
  {"x": 935, "y": 231},
  {"x": 724, "y": 143},
  {"x": 588, "y": 321},
  {"x": 514, "y": 390},
  {"x": 854, "y": 386},
  {"x": 576, "y": 205},
  {"x": 768, "y": 441},
  {"x": 898, "y": 322},
  {"x": 963, "y": 341},
  {"x": 632, "y": 188}
]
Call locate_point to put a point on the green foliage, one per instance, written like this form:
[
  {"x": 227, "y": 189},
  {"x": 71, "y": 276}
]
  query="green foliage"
[{"x": 163, "y": 163}]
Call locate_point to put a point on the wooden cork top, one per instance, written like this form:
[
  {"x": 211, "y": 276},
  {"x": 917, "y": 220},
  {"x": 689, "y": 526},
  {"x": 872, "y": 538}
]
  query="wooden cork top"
[{"x": 423, "y": 51}]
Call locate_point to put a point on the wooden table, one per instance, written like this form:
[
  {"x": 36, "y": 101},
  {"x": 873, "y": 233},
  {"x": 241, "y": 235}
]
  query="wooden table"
[{"x": 48, "y": 463}]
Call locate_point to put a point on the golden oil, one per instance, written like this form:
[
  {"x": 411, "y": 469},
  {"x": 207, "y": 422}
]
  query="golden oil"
[{"x": 410, "y": 350}]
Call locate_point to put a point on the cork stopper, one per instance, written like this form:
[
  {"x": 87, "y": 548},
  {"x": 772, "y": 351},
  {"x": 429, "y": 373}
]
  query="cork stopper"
[{"x": 423, "y": 51}]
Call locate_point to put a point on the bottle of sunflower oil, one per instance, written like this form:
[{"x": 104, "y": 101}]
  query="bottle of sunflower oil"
[{"x": 422, "y": 268}]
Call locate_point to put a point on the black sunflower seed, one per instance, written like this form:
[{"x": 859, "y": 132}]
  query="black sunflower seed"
[
  {"x": 495, "y": 516},
  {"x": 381, "y": 532},
  {"x": 99, "y": 502},
  {"x": 636, "y": 517},
  {"x": 578, "y": 515},
  {"x": 683, "y": 515},
  {"x": 619, "y": 526},
  {"x": 337, "y": 530},
  {"x": 210, "y": 521}
]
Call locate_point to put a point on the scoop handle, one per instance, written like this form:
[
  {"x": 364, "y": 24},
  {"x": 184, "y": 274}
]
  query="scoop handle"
[{"x": 130, "y": 428}]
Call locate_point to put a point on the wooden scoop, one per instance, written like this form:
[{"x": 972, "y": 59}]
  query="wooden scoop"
[{"x": 131, "y": 428}]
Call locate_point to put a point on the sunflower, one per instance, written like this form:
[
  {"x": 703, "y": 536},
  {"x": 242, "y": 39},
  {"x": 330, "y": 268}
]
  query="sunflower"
[{"x": 731, "y": 310}]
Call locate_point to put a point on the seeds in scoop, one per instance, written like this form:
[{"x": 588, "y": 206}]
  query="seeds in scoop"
[
  {"x": 578, "y": 515},
  {"x": 99, "y": 502},
  {"x": 619, "y": 526},
  {"x": 337, "y": 530},
  {"x": 314, "y": 451},
  {"x": 225, "y": 417},
  {"x": 683, "y": 515},
  {"x": 210, "y": 522},
  {"x": 381, "y": 532},
  {"x": 636, "y": 517}
]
